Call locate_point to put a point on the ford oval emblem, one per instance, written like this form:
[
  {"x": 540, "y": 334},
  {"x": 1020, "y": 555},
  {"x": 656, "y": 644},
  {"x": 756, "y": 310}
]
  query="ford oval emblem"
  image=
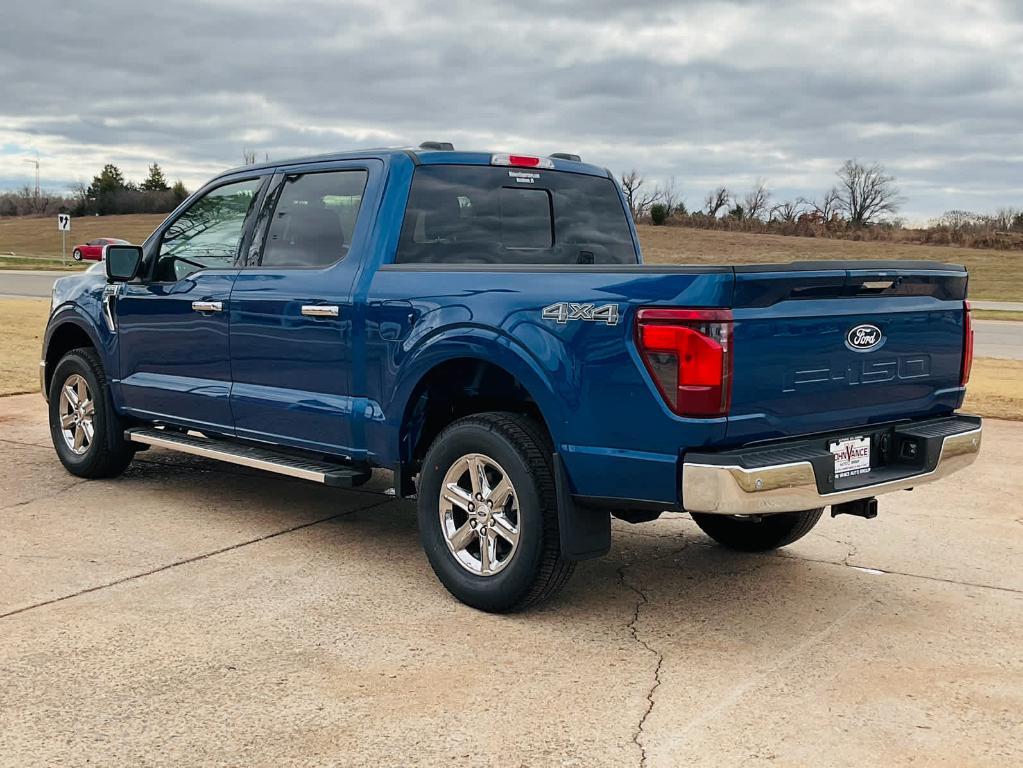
[{"x": 863, "y": 338}]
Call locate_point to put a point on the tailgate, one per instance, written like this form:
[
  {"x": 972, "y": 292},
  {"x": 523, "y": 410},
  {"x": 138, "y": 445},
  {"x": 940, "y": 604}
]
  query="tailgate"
[{"x": 826, "y": 345}]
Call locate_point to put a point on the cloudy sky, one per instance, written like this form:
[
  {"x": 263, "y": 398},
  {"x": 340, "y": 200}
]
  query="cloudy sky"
[{"x": 708, "y": 92}]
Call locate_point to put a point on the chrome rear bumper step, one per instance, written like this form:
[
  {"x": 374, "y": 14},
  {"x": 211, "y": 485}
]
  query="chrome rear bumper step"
[
  {"x": 798, "y": 476},
  {"x": 336, "y": 475}
]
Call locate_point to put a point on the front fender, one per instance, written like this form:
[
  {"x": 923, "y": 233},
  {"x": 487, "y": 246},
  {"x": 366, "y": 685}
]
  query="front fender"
[{"x": 74, "y": 314}]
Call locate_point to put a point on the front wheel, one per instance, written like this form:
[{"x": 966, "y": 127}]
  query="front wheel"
[
  {"x": 758, "y": 534},
  {"x": 487, "y": 510},
  {"x": 76, "y": 254},
  {"x": 86, "y": 432}
]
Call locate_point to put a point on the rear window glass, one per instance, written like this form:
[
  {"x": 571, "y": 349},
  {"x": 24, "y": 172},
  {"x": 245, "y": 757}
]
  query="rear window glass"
[{"x": 460, "y": 214}]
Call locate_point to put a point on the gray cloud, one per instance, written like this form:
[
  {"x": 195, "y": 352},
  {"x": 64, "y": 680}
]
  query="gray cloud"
[{"x": 708, "y": 92}]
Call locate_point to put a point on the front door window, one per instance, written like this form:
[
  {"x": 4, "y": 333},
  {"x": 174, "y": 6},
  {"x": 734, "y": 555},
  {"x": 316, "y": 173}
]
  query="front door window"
[{"x": 209, "y": 233}]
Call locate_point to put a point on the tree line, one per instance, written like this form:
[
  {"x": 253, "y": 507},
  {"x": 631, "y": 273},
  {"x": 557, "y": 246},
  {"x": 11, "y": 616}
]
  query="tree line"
[
  {"x": 108, "y": 193},
  {"x": 863, "y": 196},
  {"x": 863, "y": 204}
]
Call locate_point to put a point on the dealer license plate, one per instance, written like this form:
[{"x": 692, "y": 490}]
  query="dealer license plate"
[{"x": 852, "y": 456}]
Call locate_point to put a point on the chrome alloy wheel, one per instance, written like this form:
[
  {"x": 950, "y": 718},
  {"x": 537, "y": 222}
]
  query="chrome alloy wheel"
[
  {"x": 76, "y": 411},
  {"x": 479, "y": 514}
]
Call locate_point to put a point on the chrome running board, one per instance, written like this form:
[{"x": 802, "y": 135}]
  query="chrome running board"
[{"x": 336, "y": 475}]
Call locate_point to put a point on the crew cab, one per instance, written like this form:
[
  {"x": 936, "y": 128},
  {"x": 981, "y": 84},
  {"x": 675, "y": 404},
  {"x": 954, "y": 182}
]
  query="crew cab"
[{"x": 482, "y": 326}]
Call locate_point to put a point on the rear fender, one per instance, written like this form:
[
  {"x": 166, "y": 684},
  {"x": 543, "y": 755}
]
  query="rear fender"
[{"x": 584, "y": 532}]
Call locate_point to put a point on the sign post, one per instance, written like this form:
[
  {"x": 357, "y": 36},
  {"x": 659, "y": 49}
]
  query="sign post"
[{"x": 64, "y": 225}]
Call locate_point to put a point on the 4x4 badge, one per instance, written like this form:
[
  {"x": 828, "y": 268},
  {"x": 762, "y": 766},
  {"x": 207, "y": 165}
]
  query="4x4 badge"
[{"x": 564, "y": 311}]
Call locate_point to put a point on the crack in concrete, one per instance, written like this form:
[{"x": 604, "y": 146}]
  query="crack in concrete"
[
  {"x": 851, "y": 549},
  {"x": 888, "y": 571},
  {"x": 43, "y": 497},
  {"x": 642, "y": 600},
  {"x": 187, "y": 560},
  {"x": 23, "y": 444}
]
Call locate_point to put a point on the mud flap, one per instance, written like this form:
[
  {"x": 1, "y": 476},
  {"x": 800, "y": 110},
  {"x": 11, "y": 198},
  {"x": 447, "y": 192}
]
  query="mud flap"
[{"x": 585, "y": 531}]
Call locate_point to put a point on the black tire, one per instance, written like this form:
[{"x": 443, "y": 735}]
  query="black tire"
[
  {"x": 108, "y": 454},
  {"x": 750, "y": 534},
  {"x": 76, "y": 254},
  {"x": 536, "y": 570}
]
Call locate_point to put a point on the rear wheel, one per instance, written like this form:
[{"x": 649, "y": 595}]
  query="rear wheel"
[
  {"x": 86, "y": 432},
  {"x": 76, "y": 254},
  {"x": 757, "y": 534},
  {"x": 488, "y": 515}
]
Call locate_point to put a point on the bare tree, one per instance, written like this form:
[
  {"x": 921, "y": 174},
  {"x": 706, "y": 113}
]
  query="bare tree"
[
  {"x": 1004, "y": 218},
  {"x": 788, "y": 211},
  {"x": 957, "y": 219},
  {"x": 755, "y": 203},
  {"x": 638, "y": 201},
  {"x": 671, "y": 198},
  {"x": 631, "y": 184},
  {"x": 866, "y": 192},
  {"x": 716, "y": 200},
  {"x": 248, "y": 157},
  {"x": 828, "y": 205}
]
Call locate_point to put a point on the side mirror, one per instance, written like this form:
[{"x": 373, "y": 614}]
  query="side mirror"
[{"x": 123, "y": 262}]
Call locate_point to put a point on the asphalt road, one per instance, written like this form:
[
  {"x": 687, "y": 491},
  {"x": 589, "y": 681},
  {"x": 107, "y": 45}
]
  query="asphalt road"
[
  {"x": 994, "y": 338},
  {"x": 194, "y": 613},
  {"x": 31, "y": 283}
]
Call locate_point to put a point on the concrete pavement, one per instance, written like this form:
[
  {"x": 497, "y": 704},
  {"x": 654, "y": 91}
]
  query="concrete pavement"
[{"x": 197, "y": 613}]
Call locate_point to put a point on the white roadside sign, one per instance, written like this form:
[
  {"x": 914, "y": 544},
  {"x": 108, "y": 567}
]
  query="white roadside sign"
[{"x": 64, "y": 222}]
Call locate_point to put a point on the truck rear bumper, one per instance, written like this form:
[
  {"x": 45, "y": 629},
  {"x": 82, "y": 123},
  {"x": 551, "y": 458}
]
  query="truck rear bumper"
[{"x": 798, "y": 475}]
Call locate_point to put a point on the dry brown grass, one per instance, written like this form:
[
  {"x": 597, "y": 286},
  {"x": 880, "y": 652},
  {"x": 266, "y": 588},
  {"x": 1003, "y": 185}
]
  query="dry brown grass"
[
  {"x": 33, "y": 237},
  {"x": 23, "y": 322},
  {"x": 995, "y": 314},
  {"x": 996, "y": 388},
  {"x": 994, "y": 275}
]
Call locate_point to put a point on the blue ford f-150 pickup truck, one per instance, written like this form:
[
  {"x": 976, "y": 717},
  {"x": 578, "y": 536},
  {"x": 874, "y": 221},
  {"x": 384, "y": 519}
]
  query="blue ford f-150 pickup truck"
[{"x": 483, "y": 326}]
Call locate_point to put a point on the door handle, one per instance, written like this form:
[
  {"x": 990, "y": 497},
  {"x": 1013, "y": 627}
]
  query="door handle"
[
  {"x": 208, "y": 306},
  {"x": 320, "y": 310}
]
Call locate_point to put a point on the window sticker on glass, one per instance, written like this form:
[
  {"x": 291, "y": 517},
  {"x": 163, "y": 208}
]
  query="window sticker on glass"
[{"x": 524, "y": 177}]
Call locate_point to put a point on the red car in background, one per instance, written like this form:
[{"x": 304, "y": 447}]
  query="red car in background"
[{"x": 93, "y": 250}]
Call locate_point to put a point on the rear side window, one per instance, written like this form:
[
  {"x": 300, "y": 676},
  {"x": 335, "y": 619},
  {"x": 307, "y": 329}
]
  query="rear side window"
[
  {"x": 460, "y": 214},
  {"x": 313, "y": 219}
]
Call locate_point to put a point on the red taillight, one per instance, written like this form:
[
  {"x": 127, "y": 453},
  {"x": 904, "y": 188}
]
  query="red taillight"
[
  {"x": 689, "y": 355},
  {"x": 964, "y": 374}
]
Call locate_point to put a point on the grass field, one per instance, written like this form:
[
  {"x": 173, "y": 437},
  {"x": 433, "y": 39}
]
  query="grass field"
[
  {"x": 35, "y": 238},
  {"x": 23, "y": 321},
  {"x": 996, "y": 387},
  {"x": 994, "y": 275},
  {"x": 996, "y": 314}
]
